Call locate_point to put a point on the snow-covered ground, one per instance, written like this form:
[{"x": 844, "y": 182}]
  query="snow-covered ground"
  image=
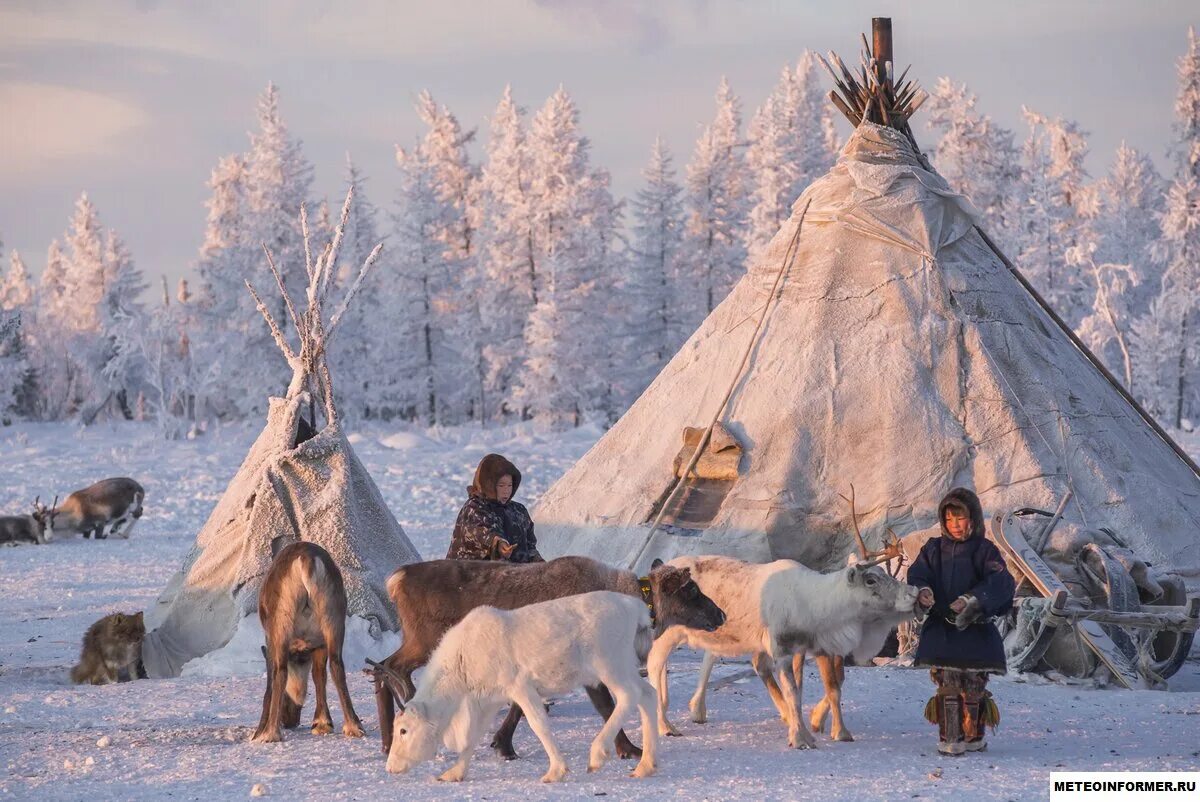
[{"x": 187, "y": 738}]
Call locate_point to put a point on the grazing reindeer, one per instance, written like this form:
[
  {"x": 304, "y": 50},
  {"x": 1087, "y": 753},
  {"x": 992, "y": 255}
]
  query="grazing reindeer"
[
  {"x": 433, "y": 596},
  {"x": 30, "y": 528},
  {"x": 302, "y": 606},
  {"x": 495, "y": 656},
  {"x": 91, "y": 510}
]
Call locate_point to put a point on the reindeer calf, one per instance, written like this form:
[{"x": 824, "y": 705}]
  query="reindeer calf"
[
  {"x": 25, "y": 528},
  {"x": 302, "y": 606},
  {"x": 495, "y": 656}
]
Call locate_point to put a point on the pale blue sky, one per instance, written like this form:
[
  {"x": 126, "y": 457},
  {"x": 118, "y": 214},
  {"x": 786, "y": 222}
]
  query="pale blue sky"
[{"x": 135, "y": 100}]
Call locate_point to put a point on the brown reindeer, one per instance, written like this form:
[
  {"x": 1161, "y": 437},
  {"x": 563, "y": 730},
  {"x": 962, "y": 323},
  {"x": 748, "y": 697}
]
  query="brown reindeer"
[
  {"x": 108, "y": 507},
  {"x": 433, "y": 596},
  {"x": 302, "y": 606}
]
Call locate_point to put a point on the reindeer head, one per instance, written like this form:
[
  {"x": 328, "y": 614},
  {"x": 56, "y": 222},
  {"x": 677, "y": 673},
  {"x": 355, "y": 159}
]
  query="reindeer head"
[
  {"x": 44, "y": 516},
  {"x": 414, "y": 738},
  {"x": 678, "y": 599}
]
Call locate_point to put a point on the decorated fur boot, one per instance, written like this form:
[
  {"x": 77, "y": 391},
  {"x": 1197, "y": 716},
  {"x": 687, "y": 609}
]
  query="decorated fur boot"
[
  {"x": 979, "y": 711},
  {"x": 946, "y": 710}
]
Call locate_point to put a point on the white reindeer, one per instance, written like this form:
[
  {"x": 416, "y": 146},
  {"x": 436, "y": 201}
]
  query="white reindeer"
[
  {"x": 493, "y": 657},
  {"x": 774, "y": 612}
]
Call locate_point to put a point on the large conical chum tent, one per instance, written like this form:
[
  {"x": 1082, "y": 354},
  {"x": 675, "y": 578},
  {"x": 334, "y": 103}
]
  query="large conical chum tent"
[
  {"x": 881, "y": 340},
  {"x": 297, "y": 483}
]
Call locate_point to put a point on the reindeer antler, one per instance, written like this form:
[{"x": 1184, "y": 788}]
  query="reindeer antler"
[{"x": 892, "y": 550}]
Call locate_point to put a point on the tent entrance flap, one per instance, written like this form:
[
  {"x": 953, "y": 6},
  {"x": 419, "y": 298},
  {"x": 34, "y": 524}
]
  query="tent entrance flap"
[{"x": 705, "y": 488}]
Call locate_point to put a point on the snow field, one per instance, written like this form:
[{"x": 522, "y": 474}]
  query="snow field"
[{"x": 187, "y": 738}]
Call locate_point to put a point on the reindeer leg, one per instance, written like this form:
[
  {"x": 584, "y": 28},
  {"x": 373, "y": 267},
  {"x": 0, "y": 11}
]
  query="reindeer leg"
[
  {"x": 600, "y": 752},
  {"x": 351, "y": 726},
  {"x": 798, "y": 736},
  {"x": 656, "y": 670},
  {"x": 764, "y": 666},
  {"x": 502, "y": 742},
  {"x": 603, "y": 702},
  {"x": 525, "y": 695},
  {"x": 697, "y": 706},
  {"x": 276, "y": 684},
  {"x": 646, "y": 706},
  {"x": 833, "y": 674},
  {"x": 322, "y": 720}
]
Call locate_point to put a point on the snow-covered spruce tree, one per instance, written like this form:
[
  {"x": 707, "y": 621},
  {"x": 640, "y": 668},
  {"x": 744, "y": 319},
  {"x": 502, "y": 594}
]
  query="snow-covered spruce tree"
[
  {"x": 16, "y": 373},
  {"x": 435, "y": 248},
  {"x": 508, "y": 268},
  {"x": 120, "y": 308},
  {"x": 978, "y": 158},
  {"x": 715, "y": 203},
  {"x": 568, "y": 352},
  {"x": 1058, "y": 214},
  {"x": 79, "y": 309},
  {"x": 16, "y": 290},
  {"x": 278, "y": 183},
  {"x": 416, "y": 341},
  {"x": 790, "y": 146},
  {"x": 1180, "y": 248},
  {"x": 460, "y": 380},
  {"x": 56, "y": 373},
  {"x": 359, "y": 352},
  {"x": 651, "y": 309}
]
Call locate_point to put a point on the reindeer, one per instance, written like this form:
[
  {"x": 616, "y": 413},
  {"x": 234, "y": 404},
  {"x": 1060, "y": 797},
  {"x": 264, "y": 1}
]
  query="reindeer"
[
  {"x": 874, "y": 632},
  {"x": 302, "y": 606},
  {"x": 30, "y": 528},
  {"x": 90, "y": 511}
]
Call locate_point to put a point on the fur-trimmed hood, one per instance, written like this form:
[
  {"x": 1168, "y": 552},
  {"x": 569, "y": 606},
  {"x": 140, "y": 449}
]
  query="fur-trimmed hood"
[
  {"x": 490, "y": 469},
  {"x": 963, "y": 499}
]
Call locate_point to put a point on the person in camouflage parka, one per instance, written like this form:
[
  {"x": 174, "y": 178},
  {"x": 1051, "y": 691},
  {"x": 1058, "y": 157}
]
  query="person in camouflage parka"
[{"x": 491, "y": 526}]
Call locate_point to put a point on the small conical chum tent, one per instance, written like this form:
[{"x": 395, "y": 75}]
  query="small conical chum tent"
[
  {"x": 881, "y": 340},
  {"x": 297, "y": 483}
]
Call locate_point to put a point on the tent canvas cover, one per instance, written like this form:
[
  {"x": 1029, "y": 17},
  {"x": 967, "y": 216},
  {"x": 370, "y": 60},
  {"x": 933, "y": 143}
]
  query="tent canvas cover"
[
  {"x": 899, "y": 354},
  {"x": 314, "y": 490}
]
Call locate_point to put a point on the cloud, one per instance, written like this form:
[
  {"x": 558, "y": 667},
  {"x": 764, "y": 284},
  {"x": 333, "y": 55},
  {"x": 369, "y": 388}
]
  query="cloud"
[
  {"x": 46, "y": 123},
  {"x": 628, "y": 19}
]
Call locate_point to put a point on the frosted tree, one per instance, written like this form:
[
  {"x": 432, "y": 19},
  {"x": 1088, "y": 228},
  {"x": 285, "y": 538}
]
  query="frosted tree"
[
  {"x": 978, "y": 158},
  {"x": 436, "y": 222},
  {"x": 120, "y": 308},
  {"x": 1154, "y": 342},
  {"x": 79, "y": 311},
  {"x": 56, "y": 372},
  {"x": 790, "y": 146},
  {"x": 653, "y": 264},
  {"x": 1127, "y": 226},
  {"x": 1180, "y": 246},
  {"x": 278, "y": 183},
  {"x": 568, "y": 354},
  {"x": 16, "y": 291},
  {"x": 17, "y": 389},
  {"x": 507, "y": 263},
  {"x": 715, "y": 203},
  {"x": 1058, "y": 215}
]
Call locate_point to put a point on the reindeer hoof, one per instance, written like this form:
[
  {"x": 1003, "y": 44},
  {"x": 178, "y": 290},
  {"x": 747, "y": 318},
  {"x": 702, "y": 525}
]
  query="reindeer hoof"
[
  {"x": 322, "y": 727},
  {"x": 452, "y": 775},
  {"x": 269, "y": 737},
  {"x": 352, "y": 729},
  {"x": 801, "y": 739},
  {"x": 642, "y": 770},
  {"x": 843, "y": 736},
  {"x": 555, "y": 774}
]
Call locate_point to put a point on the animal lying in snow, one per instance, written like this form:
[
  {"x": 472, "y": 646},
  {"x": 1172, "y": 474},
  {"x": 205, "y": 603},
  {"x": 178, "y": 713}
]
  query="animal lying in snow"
[
  {"x": 433, "y": 596},
  {"x": 110, "y": 651},
  {"x": 302, "y": 606},
  {"x": 775, "y": 611},
  {"x": 495, "y": 656},
  {"x": 109, "y": 507},
  {"x": 26, "y": 528}
]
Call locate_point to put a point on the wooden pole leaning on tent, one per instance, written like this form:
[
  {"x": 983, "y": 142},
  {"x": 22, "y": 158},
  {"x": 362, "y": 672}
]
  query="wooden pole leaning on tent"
[{"x": 789, "y": 257}]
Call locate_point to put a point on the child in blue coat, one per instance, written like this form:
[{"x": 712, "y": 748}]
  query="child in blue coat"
[{"x": 964, "y": 582}]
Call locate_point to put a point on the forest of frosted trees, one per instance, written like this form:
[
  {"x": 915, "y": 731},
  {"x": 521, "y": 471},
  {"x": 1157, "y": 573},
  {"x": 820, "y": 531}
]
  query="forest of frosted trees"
[{"x": 514, "y": 286}]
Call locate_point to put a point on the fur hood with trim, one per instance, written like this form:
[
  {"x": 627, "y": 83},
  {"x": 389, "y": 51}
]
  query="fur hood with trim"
[
  {"x": 488, "y": 473},
  {"x": 962, "y": 499}
]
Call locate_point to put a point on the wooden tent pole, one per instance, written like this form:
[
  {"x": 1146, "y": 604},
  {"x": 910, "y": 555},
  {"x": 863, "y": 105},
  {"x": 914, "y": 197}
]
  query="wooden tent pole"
[{"x": 881, "y": 34}]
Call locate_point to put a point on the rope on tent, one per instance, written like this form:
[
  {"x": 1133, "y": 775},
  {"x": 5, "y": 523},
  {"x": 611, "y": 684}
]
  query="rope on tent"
[{"x": 789, "y": 258}]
